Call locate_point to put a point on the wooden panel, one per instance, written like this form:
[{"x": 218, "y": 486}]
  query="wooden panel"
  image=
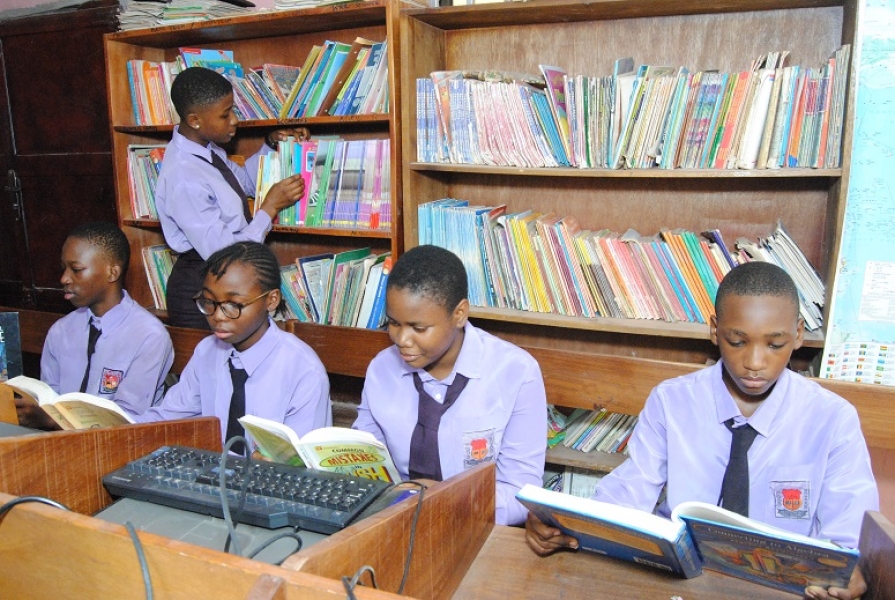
[
  {"x": 68, "y": 466},
  {"x": 456, "y": 517},
  {"x": 877, "y": 548},
  {"x": 343, "y": 350}
]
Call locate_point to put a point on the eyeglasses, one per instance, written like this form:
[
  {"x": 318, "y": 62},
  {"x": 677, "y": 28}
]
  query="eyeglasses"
[{"x": 231, "y": 310}]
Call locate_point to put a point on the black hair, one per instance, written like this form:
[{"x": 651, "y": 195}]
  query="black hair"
[
  {"x": 432, "y": 272},
  {"x": 254, "y": 254},
  {"x": 110, "y": 240},
  {"x": 757, "y": 279},
  {"x": 197, "y": 87}
]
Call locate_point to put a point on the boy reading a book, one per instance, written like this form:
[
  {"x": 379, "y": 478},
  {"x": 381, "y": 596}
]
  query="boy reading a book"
[
  {"x": 109, "y": 346},
  {"x": 202, "y": 196},
  {"x": 448, "y": 396},
  {"x": 249, "y": 365},
  {"x": 808, "y": 466}
]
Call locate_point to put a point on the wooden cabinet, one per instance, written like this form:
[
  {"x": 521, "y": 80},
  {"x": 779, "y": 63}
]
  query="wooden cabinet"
[
  {"x": 270, "y": 37},
  {"x": 585, "y": 38}
]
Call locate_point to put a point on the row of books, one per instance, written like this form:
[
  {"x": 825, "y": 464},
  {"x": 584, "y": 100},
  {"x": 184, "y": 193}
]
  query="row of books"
[
  {"x": 769, "y": 116},
  {"x": 158, "y": 260},
  {"x": 347, "y": 182},
  {"x": 591, "y": 430},
  {"x": 143, "y": 165},
  {"x": 547, "y": 263},
  {"x": 345, "y": 288},
  {"x": 336, "y": 79}
]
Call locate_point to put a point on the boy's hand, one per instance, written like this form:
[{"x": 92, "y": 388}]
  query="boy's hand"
[
  {"x": 543, "y": 539},
  {"x": 283, "y": 194},
  {"x": 856, "y": 587},
  {"x": 299, "y": 133},
  {"x": 31, "y": 415}
]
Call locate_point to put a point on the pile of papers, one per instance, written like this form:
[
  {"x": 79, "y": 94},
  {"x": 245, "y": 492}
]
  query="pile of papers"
[{"x": 138, "y": 14}]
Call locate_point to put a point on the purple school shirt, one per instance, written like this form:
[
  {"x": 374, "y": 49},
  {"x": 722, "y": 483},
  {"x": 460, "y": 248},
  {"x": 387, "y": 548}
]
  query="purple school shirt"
[
  {"x": 287, "y": 383},
  {"x": 809, "y": 469},
  {"x": 197, "y": 207},
  {"x": 500, "y": 417},
  {"x": 132, "y": 357}
]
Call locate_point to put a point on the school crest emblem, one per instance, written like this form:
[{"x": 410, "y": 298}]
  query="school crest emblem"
[
  {"x": 478, "y": 447},
  {"x": 792, "y": 499},
  {"x": 110, "y": 381}
]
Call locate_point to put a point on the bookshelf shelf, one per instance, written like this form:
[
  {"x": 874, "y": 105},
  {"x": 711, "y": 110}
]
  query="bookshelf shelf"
[
  {"x": 600, "y": 462},
  {"x": 641, "y": 327},
  {"x": 279, "y": 37},
  {"x": 630, "y": 173}
]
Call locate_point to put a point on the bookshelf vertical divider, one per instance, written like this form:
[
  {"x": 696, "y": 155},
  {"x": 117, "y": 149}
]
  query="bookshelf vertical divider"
[{"x": 282, "y": 37}]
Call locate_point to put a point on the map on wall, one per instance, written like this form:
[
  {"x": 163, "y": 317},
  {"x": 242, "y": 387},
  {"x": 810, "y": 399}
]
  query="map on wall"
[{"x": 860, "y": 339}]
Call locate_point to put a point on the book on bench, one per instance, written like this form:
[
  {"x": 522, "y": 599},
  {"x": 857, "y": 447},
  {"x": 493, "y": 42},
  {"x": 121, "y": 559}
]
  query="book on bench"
[
  {"x": 74, "y": 410},
  {"x": 336, "y": 449},
  {"x": 697, "y": 535}
]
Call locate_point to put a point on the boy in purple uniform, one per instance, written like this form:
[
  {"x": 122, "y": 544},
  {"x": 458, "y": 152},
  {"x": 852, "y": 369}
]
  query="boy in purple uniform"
[
  {"x": 448, "y": 396},
  {"x": 808, "y": 466},
  {"x": 132, "y": 353},
  {"x": 284, "y": 379},
  {"x": 201, "y": 195}
]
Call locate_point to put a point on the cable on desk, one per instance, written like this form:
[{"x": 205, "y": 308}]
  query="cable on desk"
[
  {"x": 23, "y": 499},
  {"x": 351, "y": 583},
  {"x": 416, "y": 516},
  {"x": 266, "y": 543},
  {"x": 141, "y": 556},
  {"x": 222, "y": 483}
]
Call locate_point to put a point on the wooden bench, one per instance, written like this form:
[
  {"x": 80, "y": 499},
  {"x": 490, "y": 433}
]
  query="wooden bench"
[{"x": 572, "y": 379}]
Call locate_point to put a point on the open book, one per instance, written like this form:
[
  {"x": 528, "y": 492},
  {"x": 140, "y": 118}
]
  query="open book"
[
  {"x": 336, "y": 449},
  {"x": 698, "y": 535},
  {"x": 74, "y": 410}
]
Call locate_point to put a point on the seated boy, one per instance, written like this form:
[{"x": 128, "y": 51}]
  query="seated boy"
[
  {"x": 808, "y": 444},
  {"x": 489, "y": 393},
  {"x": 275, "y": 375},
  {"x": 133, "y": 352}
]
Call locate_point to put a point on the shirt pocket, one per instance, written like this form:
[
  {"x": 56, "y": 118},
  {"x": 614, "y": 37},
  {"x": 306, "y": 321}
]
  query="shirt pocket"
[
  {"x": 479, "y": 440},
  {"x": 791, "y": 489}
]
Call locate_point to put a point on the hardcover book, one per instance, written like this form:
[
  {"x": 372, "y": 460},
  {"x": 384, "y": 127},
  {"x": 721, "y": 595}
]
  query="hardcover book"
[
  {"x": 10, "y": 346},
  {"x": 74, "y": 410}
]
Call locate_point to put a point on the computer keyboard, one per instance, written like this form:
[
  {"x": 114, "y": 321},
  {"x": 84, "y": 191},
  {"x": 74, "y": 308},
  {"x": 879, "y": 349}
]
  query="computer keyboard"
[{"x": 277, "y": 495}]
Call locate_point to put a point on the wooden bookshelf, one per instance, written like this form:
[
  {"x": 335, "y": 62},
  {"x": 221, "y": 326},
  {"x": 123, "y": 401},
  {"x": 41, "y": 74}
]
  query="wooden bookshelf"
[
  {"x": 585, "y": 37},
  {"x": 282, "y": 37}
]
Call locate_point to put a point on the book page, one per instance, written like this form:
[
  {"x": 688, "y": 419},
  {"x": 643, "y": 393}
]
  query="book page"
[
  {"x": 87, "y": 415},
  {"x": 275, "y": 441},
  {"x": 35, "y": 389},
  {"x": 349, "y": 451},
  {"x": 57, "y": 416}
]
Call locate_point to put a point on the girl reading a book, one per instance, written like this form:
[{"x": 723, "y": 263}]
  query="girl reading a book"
[
  {"x": 249, "y": 365},
  {"x": 201, "y": 195}
]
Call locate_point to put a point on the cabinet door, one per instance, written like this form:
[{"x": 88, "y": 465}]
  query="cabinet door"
[{"x": 56, "y": 142}]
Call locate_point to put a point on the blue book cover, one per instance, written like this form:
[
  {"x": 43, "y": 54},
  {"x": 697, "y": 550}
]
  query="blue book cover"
[
  {"x": 617, "y": 531},
  {"x": 678, "y": 281},
  {"x": 10, "y": 346}
]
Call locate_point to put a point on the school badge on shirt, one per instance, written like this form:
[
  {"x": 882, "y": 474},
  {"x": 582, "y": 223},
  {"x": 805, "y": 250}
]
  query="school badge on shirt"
[
  {"x": 110, "y": 381},
  {"x": 478, "y": 447},
  {"x": 791, "y": 499}
]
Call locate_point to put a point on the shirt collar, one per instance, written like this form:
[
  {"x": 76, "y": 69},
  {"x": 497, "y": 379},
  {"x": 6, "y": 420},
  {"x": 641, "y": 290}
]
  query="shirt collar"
[
  {"x": 469, "y": 360},
  {"x": 190, "y": 147},
  {"x": 115, "y": 315},
  {"x": 252, "y": 358},
  {"x": 764, "y": 417}
]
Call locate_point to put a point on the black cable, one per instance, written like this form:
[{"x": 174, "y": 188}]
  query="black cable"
[
  {"x": 222, "y": 488},
  {"x": 352, "y": 583},
  {"x": 416, "y": 516},
  {"x": 266, "y": 544},
  {"x": 23, "y": 499},
  {"x": 141, "y": 556}
]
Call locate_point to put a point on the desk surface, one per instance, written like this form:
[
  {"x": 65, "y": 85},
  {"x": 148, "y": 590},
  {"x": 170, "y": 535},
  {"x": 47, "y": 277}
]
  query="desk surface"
[{"x": 507, "y": 568}]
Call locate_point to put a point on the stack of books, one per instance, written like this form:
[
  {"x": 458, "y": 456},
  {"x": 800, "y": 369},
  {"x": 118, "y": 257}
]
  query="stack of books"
[
  {"x": 346, "y": 288},
  {"x": 143, "y": 165},
  {"x": 347, "y": 182},
  {"x": 769, "y": 116},
  {"x": 546, "y": 263},
  {"x": 158, "y": 260},
  {"x": 598, "y": 430}
]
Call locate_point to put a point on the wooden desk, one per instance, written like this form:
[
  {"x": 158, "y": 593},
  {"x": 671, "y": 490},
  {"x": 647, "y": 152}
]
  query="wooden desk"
[{"x": 507, "y": 568}]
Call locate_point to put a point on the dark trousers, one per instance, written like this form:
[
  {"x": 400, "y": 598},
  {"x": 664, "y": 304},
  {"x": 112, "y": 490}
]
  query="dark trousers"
[{"x": 184, "y": 283}]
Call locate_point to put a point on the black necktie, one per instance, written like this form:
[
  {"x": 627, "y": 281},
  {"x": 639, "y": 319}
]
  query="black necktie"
[
  {"x": 425, "y": 461},
  {"x": 218, "y": 163},
  {"x": 237, "y": 407},
  {"x": 735, "y": 486},
  {"x": 91, "y": 348}
]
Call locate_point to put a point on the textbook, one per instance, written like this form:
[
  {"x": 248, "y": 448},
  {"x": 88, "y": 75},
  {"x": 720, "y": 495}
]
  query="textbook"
[
  {"x": 335, "y": 449},
  {"x": 697, "y": 535},
  {"x": 74, "y": 410},
  {"x": 10, "y": 346}
]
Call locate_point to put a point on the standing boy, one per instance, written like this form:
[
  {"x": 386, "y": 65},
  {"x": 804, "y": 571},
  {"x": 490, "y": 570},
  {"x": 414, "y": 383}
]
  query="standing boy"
[
  {"x": 109, "y": 346},
  {"x": 808, "y": 466},
  {"x": 448, "y": 396},
  {"x": 249, "y": 365},
  {"x": 201, "y": 194}
]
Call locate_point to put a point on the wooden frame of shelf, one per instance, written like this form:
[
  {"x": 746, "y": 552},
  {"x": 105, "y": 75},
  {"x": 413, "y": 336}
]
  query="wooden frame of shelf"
[
  {"x": 585, "y": 37},
  {"x": 280, "y": 37}
]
